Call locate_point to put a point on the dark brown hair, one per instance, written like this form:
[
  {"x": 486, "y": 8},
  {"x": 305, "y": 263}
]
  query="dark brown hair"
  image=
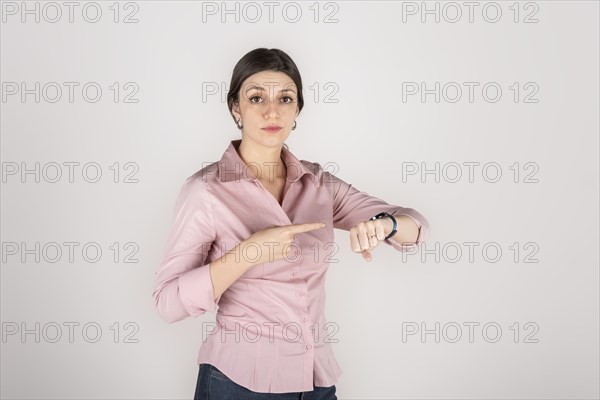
[{"x": 258, "y": 60}]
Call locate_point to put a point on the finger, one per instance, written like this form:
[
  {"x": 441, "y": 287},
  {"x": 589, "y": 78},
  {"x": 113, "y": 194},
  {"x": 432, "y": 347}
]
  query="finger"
[
  {"x": 354, "y": 243},
  {"x": 380, "y": 231},
  {"x": 363, "y": 239},
  {"x": 372, "y": 236},
  {"x": 367, "y": 255},
  {"x": 299, "y": 228}
]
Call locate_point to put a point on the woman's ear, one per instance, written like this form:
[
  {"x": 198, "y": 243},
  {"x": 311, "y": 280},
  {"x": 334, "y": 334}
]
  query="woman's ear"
[{"x": 235, "y": 110}]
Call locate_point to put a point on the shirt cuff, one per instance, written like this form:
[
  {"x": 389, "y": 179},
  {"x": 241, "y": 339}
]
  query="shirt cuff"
[
  {"x": 421, "y": 236},
  {"x": 196, "y": 291}
]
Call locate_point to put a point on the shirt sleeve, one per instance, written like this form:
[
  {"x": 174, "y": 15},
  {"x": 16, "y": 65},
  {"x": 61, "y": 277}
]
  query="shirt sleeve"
[
  {"x": 183, "y": 286},
  {"x": 352, "y": 206}
]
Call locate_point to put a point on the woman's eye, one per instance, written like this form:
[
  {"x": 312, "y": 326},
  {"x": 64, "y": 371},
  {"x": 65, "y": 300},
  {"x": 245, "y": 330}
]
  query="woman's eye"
[{"x": 284, "y": 99}]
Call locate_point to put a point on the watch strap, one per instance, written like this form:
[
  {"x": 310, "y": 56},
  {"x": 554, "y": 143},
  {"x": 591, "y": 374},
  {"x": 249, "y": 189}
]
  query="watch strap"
[{"x": 385, "y": 214}]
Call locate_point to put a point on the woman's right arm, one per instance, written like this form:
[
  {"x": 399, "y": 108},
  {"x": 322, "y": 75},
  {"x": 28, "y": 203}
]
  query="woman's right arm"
[
  {"x": 184, "y": 282},
  {"x": 185, "y": 285},
  {"x": 228, "y": 269},
  {"x": 232, "y": 265}
]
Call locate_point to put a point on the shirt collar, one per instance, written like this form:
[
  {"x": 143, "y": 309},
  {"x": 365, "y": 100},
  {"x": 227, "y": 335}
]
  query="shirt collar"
[{"x": 232, "y": 168}]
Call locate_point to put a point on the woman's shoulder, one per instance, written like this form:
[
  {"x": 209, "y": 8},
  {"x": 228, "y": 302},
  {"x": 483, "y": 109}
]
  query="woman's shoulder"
[
  {"x": 312, "y": 166},
  {"x": 204, "y": 175},
  {"x": 325, "y": 173}
]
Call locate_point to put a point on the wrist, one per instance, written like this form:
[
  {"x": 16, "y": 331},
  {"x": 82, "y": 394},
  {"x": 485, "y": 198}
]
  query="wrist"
[
  {"x": 389, "y": 223},
  {"x": 238, "y": 256}
]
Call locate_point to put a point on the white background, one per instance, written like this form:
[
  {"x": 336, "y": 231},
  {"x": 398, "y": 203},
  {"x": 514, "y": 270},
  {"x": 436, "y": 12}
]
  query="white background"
[{"x": 370, "y": 135}]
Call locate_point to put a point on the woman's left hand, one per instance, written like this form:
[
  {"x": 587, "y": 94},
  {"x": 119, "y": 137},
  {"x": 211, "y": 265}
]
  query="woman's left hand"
[{"x": 367, "y": 235}]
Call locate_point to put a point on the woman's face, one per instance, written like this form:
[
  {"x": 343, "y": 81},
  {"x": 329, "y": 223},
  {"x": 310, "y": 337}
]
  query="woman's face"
[{"x": 267, "y": 98}]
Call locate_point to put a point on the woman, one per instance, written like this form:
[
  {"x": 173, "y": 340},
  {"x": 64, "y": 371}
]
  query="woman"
[{"x": 253, "y": 234}]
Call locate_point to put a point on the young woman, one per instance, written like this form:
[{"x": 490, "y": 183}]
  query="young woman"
[{"x": 251, "y": 240}]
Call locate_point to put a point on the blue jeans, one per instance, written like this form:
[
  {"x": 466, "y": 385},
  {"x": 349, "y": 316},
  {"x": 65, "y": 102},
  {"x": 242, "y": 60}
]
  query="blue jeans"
[{"x": 214, "y": 385}]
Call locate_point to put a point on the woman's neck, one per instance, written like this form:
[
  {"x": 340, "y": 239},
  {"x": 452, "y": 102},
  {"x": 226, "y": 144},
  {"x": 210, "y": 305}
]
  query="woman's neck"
[{"x": 266, "y": 164}]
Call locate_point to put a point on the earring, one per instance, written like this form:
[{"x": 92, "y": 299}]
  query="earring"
[
  {"x": 294, "y": 127},
  {"x": 238, "y": 125}
]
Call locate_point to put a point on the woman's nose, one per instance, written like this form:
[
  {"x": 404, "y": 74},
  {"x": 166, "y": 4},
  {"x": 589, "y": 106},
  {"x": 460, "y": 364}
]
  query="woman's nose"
[{"x": 271, "y": 107}]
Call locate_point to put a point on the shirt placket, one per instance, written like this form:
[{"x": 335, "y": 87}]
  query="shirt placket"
[
  {"x": 302, "y": 293},
  {"x": 309, "y": 346}
]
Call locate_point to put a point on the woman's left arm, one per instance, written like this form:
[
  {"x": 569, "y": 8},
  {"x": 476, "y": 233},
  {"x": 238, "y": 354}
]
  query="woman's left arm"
[
  {"x": 407, "y": 229},
  {"x": 353, "y": 209}
]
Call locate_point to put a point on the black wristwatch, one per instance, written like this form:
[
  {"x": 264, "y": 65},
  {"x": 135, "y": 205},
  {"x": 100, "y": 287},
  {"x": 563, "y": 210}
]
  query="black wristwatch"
[{"x": 384, "y": 214}]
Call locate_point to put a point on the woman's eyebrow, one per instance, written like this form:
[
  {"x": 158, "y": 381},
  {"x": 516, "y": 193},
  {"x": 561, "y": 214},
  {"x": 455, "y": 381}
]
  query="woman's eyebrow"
[{"x": 261, "y": 88}]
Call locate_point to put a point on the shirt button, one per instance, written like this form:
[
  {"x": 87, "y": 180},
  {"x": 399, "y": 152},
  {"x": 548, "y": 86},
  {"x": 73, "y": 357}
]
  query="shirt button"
[
  {"x": 294, "y": 274},
  {"x": 305, "y": 319},
  {"x": 308, "y": 346},
  {"x": 302, "y": 294}
]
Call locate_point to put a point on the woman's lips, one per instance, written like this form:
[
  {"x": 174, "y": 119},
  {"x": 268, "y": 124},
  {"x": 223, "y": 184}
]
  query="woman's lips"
[{"x": 272, "y": 129}]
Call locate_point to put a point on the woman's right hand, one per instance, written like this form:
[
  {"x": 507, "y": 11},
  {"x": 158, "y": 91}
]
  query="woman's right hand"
[{"x": 273, "y": 243}]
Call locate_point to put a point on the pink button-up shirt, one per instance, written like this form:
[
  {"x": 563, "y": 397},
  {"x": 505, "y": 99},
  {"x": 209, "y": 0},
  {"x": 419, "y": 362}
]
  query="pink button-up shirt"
[{"x": 271, "y": 334}]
